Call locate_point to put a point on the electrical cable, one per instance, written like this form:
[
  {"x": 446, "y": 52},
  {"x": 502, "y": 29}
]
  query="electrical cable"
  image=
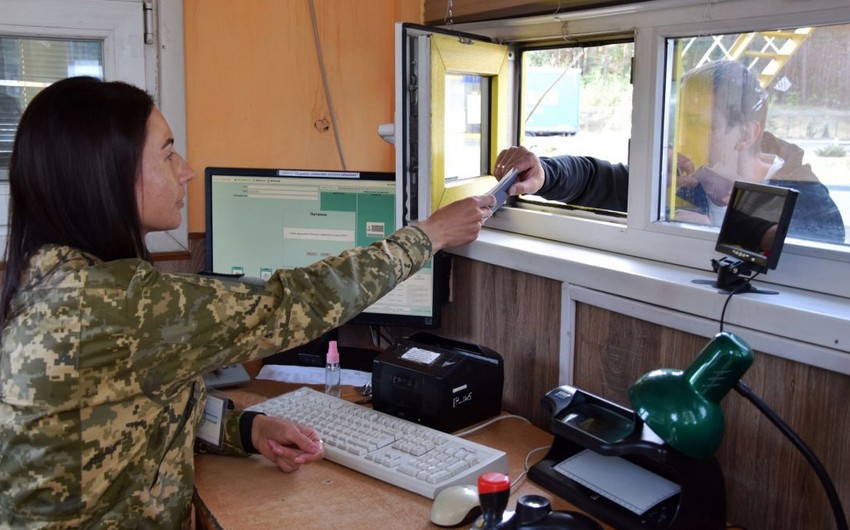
[
  {"x": 820, "y": 471},
  {"x": 527, "y": 467},
  {"x": 741, "y": 288},
  {"x": 375, "y": 336},
  {"x": 491, "y": 422},
  {"x": 388, "y": 338},
  {"x": 324, "y": 73},
  {"x": 500, "y": 418},
  {"x": 811, "y": 458}
]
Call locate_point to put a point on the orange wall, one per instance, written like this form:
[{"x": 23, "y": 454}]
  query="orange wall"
[{"x": 254, "y": 90}]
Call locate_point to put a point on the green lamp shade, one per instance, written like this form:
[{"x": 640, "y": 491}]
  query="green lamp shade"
[{"x": 683, "y": 407}]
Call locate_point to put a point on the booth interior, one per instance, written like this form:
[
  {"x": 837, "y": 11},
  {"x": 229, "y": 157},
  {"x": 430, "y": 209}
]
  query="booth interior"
[{"x": 665, "y": 363}]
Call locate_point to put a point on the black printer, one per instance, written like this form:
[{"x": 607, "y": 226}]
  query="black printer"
[{"x": 437, "y": 382}]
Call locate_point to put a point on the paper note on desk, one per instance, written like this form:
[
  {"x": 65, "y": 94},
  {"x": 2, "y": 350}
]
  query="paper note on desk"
[
  {"x": 309, "y": 375},
  {"x": 618, "y": 480}
]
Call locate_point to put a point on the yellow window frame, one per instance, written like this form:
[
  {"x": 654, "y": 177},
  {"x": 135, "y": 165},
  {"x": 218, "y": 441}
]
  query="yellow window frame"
[{"x": 455, "y": 55}]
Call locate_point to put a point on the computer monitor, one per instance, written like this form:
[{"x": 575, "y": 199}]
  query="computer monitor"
[
  {"x": 260, "y": 220},
  {"x": 756, "y": 223}
]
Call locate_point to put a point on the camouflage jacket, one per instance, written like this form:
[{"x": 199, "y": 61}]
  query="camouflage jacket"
[{"x": 100, "y": 393}]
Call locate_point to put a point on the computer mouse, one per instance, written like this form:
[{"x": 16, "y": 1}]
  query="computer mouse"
[{"x": 455, "y": 506}]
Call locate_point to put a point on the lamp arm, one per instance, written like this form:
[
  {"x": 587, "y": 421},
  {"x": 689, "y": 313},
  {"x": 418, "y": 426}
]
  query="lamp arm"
[{"x": 832, "y": 495}]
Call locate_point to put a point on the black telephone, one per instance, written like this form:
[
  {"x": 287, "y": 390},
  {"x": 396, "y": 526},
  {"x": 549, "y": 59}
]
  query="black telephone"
[{"x": 592, "y": 429}]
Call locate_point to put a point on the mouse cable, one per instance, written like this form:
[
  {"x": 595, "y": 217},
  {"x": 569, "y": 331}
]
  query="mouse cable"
[
  {"x": 741, "y": 288},
  {"x": 500, "y": 418},
  {"x": 820, "y": 471},
  {"x": 526, "y": 466}
]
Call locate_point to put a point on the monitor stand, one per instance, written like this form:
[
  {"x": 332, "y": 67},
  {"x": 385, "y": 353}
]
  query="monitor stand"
[{"x": 730, "y": 278}]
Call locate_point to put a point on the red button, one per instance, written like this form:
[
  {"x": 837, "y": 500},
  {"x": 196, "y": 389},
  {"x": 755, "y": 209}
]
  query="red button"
[{"x": 493, "y": 483}]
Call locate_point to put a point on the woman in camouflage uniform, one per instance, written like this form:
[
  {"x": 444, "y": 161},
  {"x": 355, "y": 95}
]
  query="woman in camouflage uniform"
[{"x": 102, "y": 355}]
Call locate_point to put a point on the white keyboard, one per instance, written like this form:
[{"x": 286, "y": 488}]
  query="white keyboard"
[{"x": 390, "y": 449}]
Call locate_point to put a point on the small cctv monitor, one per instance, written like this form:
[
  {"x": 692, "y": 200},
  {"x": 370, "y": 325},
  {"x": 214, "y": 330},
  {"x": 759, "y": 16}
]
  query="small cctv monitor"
[
  {"x": 756, "y": 223},
  {"x": 753, "y": 233}
]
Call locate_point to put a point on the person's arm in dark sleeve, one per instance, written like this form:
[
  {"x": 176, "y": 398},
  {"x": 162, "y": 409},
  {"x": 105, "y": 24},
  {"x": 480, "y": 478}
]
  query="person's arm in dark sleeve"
[
  {"x": 585, "y": 181},
  {"x": 816, "y": 216}
]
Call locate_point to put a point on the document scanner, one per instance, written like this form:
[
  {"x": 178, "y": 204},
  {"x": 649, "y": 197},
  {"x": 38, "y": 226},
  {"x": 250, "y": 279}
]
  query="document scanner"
[
  {"x": 607, "y": 462},
  {"x": 437, "y": 382}
]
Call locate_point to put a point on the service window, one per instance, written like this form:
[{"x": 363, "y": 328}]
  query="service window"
[
  {"x": 680, "y": 103},
  {"x": 577, "y": 100},
  {"x": 768, "y": 106}
]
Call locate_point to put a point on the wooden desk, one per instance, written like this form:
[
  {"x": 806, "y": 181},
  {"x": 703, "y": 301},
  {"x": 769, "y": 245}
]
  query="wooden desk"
[{"x": 251, "y": 493}]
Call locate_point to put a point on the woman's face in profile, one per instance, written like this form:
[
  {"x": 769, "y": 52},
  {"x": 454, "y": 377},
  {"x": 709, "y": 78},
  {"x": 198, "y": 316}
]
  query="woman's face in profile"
[{"x": 160, "y": 190}]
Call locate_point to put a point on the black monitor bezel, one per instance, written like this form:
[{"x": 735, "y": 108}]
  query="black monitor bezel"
[
  {"x": 440, "y": 275},
  {"x": 761, "y": 261}
]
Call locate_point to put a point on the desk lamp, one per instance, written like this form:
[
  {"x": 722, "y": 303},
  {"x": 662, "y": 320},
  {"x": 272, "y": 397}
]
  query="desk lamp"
[
  {"x": 683, "y": 407},
  {"x": 681, "y": 427}
]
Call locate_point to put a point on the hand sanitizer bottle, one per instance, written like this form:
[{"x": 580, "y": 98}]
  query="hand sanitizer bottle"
[{"x": 332, "y": 373}]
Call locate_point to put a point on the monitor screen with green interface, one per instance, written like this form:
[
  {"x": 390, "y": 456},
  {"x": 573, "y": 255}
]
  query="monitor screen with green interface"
[{"x": 260, "y": 220}]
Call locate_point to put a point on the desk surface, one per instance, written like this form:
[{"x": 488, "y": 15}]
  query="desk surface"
[{"x": 251, "y": 493}]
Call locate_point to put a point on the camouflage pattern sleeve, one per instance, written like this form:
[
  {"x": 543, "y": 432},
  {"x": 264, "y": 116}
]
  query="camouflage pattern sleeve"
[
  {"x": 188, "y": 324},
  {"x": 100, "y": 364}
]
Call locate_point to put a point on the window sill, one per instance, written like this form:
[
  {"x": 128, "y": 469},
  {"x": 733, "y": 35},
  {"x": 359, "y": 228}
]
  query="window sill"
[{"x": 799, "y": 325}]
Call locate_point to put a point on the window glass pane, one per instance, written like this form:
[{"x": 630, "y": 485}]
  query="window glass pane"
[
  {"x": 466, "y": 114},
  {"x": 770, "y": 107},
  {"x": 29, "y": 64},
  {"x": 578, "y": 101}
]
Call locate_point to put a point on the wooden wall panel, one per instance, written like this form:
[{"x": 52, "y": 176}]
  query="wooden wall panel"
[{"x": 769, "y": 484}]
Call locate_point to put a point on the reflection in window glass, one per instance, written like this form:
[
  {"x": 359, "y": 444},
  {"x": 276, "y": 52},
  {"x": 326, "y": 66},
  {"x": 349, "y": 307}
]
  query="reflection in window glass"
[
  {"x": 770, "y": 107},
  {"x": 29, "y": 64},
  {"x": 578, "y": 101},
  {"x": 466, "y": 114}
]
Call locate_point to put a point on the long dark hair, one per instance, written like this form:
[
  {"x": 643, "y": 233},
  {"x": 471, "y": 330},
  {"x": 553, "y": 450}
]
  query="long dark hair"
[{"x": 72, "y": 174}]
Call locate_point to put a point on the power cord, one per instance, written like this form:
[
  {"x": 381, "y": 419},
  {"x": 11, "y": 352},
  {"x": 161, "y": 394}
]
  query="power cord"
[
  {"x": 741, "y": 288},
  {"x": 324, "y": 73},
  {"x": 477, "y": 428},
  {"x": 832, "y": 495},
  {"x": 784, "y": 428},
  {"x": 388, "y": 337},
  {"x": 527, "y": 467},
  {"x": 491, "y": 421}
]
